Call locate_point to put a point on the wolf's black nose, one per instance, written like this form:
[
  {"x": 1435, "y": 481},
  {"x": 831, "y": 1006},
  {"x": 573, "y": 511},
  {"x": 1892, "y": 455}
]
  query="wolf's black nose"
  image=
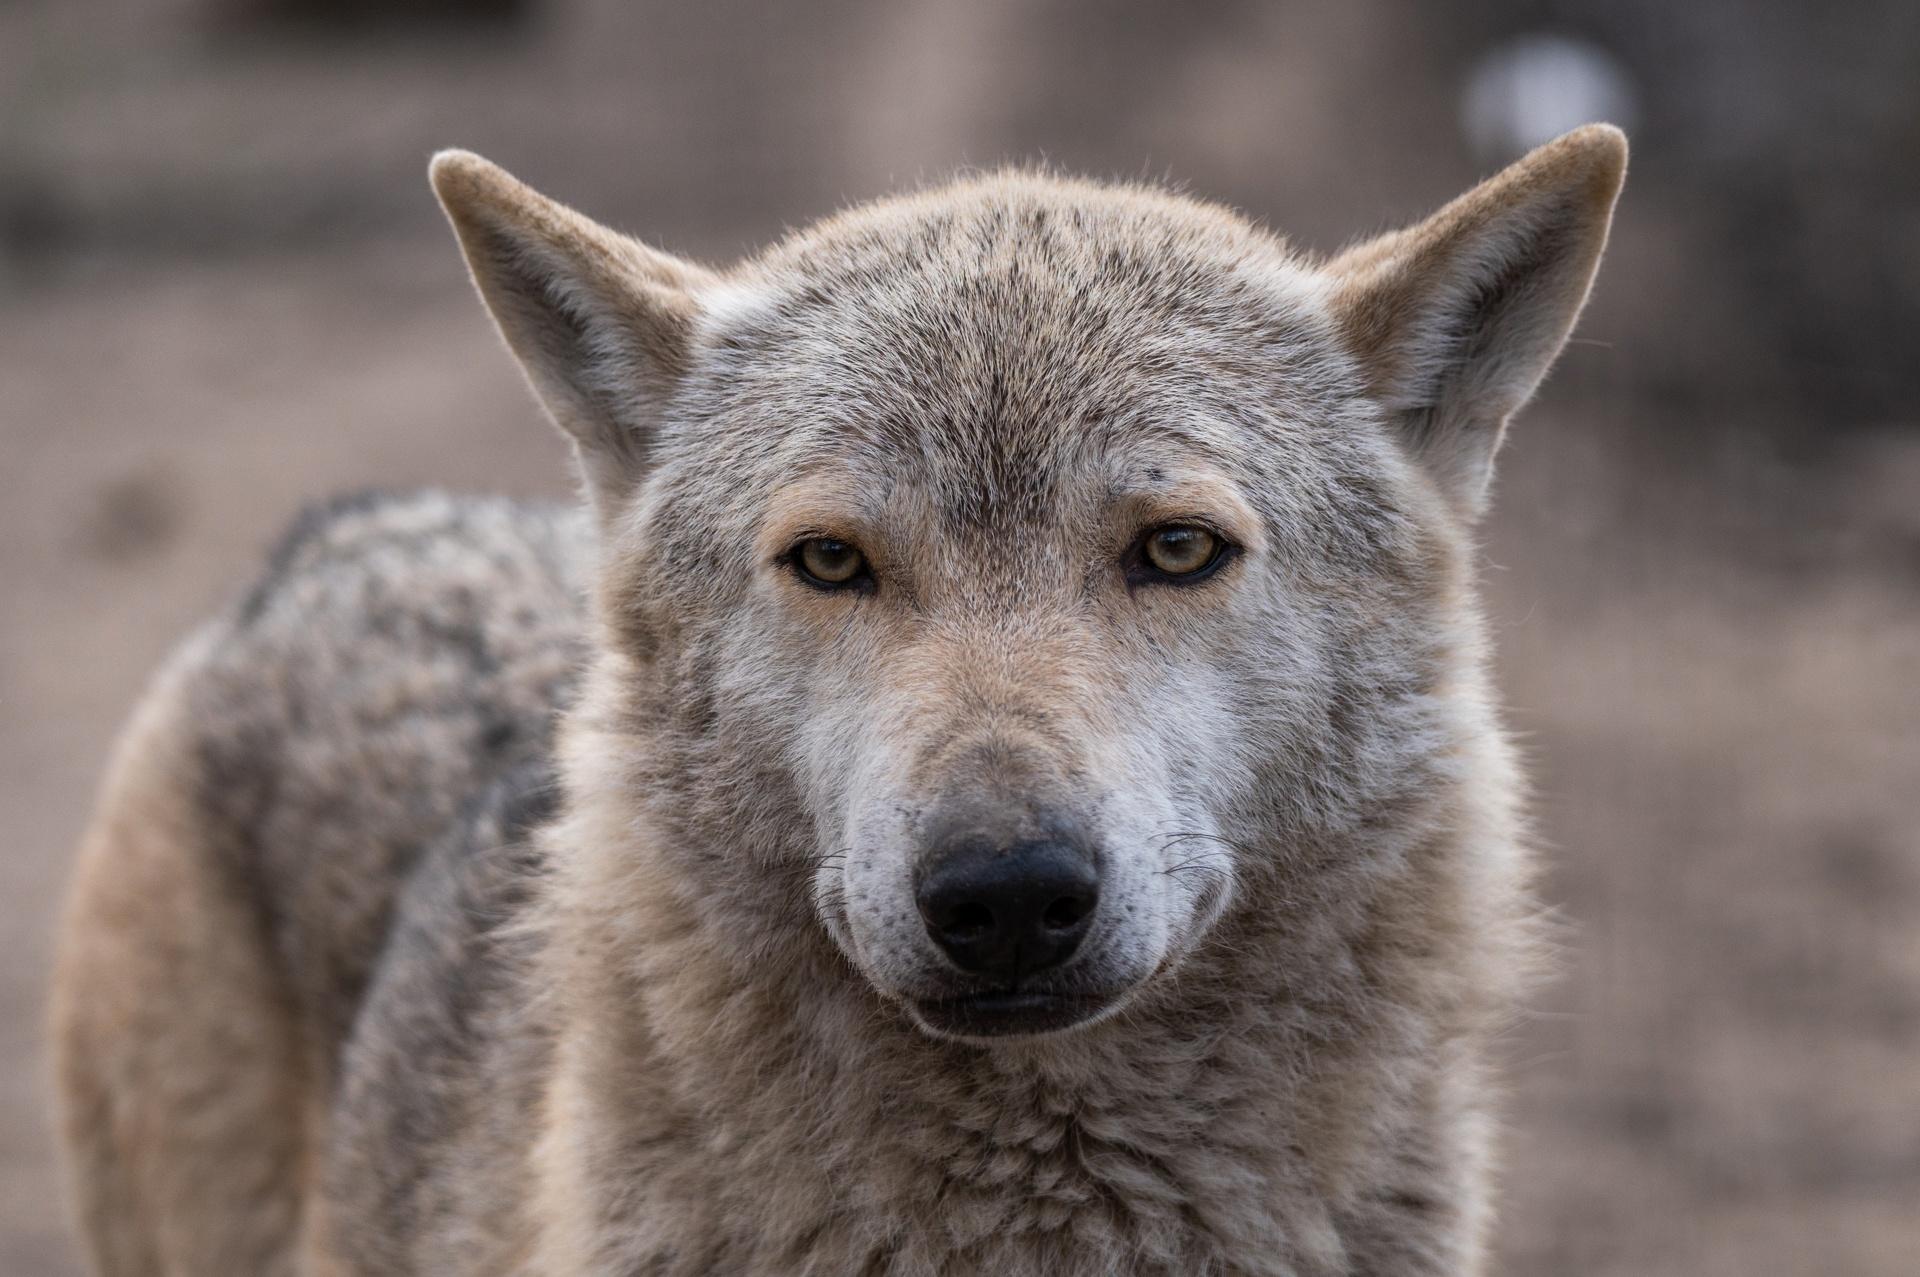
[{"x": 1005, "y": 912}]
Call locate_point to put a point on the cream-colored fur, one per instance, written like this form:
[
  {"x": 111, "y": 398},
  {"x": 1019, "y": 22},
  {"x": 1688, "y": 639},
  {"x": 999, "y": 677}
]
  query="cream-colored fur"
[{"x": 179, "y": 1063}]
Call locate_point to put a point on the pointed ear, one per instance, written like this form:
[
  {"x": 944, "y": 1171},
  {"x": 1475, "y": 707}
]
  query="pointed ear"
[
  {"x": 601, "y": 324},
  {"x": 1455, "y": 321}
]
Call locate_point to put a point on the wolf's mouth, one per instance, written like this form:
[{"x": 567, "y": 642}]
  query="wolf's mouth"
[{"x": 1009, "y": 1014}]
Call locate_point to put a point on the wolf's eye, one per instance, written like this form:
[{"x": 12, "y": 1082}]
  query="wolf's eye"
[
  {"x": 1180, "y": 550},
  {"x": 830, "y": 564}
]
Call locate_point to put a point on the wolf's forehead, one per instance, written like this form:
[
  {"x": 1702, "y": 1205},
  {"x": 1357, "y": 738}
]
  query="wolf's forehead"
[
  {"x": 1001, "y": 330},
  {"x": 1015, "y": 256}
]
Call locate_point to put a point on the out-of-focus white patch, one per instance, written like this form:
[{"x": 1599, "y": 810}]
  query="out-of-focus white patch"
[{"x": 1532, "y": 89}]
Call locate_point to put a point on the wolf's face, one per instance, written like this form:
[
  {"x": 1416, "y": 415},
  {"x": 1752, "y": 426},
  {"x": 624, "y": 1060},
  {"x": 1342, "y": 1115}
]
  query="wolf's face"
[
  {"x": 1022, "y": 576},
  {"x": 1022, "y": 544}
]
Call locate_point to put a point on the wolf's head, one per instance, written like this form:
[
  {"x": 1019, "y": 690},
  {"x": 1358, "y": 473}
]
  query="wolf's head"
[{"x": 1014, "y": 578}]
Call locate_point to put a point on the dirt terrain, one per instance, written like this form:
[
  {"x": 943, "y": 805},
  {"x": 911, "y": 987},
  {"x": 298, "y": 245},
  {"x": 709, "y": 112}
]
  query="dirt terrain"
[{"x": 1708, "y": 606}]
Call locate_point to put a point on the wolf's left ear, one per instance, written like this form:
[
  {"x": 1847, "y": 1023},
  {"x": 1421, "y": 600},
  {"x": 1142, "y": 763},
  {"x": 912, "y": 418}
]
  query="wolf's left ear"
[
  {"x": 1455, "y": 321},
  {"x": 602, "y": 324}
]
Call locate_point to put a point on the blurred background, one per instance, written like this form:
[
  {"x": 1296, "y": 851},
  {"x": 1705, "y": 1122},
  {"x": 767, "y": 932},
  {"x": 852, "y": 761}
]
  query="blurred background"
[{"x": 225, "y": 291}]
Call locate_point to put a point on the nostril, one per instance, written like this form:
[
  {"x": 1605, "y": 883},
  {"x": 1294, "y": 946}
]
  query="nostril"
[
  {"x": 1064, "y": 914},
  {"x": 968, "y": 922}
]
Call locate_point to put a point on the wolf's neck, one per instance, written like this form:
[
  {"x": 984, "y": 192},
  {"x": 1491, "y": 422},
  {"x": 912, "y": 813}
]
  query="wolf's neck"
[{"x": 771, "y": 1100}]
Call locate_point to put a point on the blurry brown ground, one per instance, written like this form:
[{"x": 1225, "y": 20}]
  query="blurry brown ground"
[{"x": 224, "y": 291}]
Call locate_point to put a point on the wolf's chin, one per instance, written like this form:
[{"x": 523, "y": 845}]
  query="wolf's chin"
[{"x": 985, "y": 1018}]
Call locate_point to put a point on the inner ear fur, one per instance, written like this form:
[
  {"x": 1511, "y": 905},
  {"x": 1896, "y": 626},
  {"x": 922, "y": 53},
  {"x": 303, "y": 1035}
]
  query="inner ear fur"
[
  {"x": 601, "y": 324},
  {"x": 1455, "y": 321}
]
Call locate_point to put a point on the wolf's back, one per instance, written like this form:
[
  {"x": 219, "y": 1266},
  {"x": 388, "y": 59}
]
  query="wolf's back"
[
  {"x": 399, "y": 655},
  {"x": 401, "y": 659}
]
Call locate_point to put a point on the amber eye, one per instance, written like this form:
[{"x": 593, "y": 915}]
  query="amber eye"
[
  {"x": 826, "y": 562},
  {"x": 1180, "y": 550}
]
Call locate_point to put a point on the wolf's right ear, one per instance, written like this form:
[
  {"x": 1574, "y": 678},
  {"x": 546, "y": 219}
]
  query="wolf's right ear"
[
  {"x": 601, "y": 324},
  {"x": 1456, "y": 320}
]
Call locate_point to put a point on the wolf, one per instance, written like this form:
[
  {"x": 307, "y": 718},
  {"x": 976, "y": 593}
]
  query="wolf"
[{"x": 996, "y": 775}]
